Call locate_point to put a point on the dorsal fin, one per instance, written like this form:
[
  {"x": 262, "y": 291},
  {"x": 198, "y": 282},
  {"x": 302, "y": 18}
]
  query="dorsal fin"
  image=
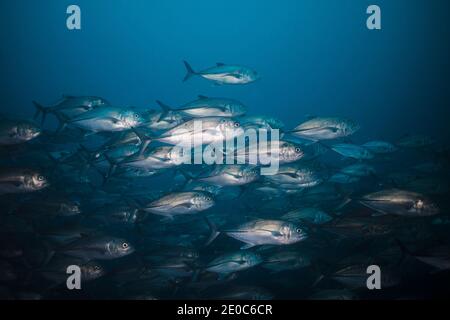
[
  {"x": 201, "y": 97},
  {"x": 220, "y": 64}
]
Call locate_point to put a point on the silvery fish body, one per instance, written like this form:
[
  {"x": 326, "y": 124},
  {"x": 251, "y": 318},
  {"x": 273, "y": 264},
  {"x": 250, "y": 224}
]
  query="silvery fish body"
[
  {"x": 21, "y": 181},
  {"x": 352, "y": 151},
  {"x": 267, "y": 232},
  {"x": 180, "y": 203},
  {"x": 326, "y": 128},
  {"x": 400, "y": 202},
  {"x": 17, "y": 131},
  {"x": 224, "y": 74},
  {"x": 380, "y": 147},
  {"x": 234, "y": 262}
]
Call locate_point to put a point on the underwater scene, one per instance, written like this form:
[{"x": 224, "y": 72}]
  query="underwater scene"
[{"x": 224, "y": 150}]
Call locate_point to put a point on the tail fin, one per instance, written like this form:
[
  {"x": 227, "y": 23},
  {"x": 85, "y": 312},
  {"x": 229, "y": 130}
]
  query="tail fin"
[
  {"x": 145, "y": 140},
  {"x": 214, "y": 232},
  {"x": 40, "y": 109},
  {"x": 63, "y": 120},
  {"x": 189, "y": 71},
  {"x": 165, "y": 108}
]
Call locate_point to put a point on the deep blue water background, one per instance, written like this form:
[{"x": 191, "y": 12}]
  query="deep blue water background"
[{"x": 316, "y": 57}]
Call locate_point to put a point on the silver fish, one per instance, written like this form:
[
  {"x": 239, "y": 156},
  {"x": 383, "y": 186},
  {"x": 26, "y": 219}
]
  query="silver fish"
[
  {"x": 325, "y": 128},
  {"x": 17, "y": 131},
  {"x": 400, "y": 202},
  {"x": 21, "y": 181},
  {"x": 224, "y": 74},
  {"x": 180, "y": 203}
]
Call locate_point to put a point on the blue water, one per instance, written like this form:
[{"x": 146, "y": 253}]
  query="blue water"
[{"x": 315, "y": 57}]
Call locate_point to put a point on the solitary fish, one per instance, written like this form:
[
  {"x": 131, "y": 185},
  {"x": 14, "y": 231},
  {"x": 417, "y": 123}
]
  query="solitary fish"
[
  {"x": 70, "y": 106},
  {"x": 21, "y": 181},
  {"x": 103, "y": 119},
  {"x": 352, "y": 151},
  {"x": 99, "y": 248},
  {"x": 380, "y": 147},
  {"x": 198, "y": 132},
  {"x": 400, "y": 202},
  {"x": 234, "y": 262},
  {"x": 17, "y": 131},
  {"x": 231, "y": 175},
  {"x": 263, "y": 232},
  {"x": 294, "y": 177},
  {"x": 325, "y": 128},
  {"x": 180, "y": 203},
  {"x": 208, "y": 107},
  {"x": 224, "y": 74}
]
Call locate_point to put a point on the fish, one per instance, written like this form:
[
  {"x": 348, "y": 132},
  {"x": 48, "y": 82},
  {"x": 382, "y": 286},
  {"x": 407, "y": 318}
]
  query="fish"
[
  {"x": 14, "y": 131},
  {"x": 56, "y": 270},
  {"x": 208, "y": 107},
  {"x": 353, "y": 173},
  {"x": 262, "y": 122},
  {"x": 311, "y": 215},
  {"x": 222, "y": 74},
  {"x": 234, "y": 262},
  {"x": 21, "y": 180},
  {"x": 400, "y": 202},
  {"x": 294, "y": 177},
  {"x": 231, "y": 175},
  {"x": 380, "y": 147},
  {"x": 70, "y": 106},
  {"x": 180, "y": 203},
  {"x": 98, "y": 248},
  {"x": 415, "y": 141},
  {"x": 103, "y": 119},
  {"x": 284, "y": 151},
  {"x": 352, "y": 151},
  {"x": 263, "y": 232},
  {"x": 317, "y": 129},
  {"x": 286, "y": 260}
]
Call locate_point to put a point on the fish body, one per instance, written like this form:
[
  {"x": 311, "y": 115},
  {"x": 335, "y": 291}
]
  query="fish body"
[
  {"x": 267, "y": 232},
  {"x": 18, "y": 180},
  {"x": 326, "y": 128},
  {"x": 400, "y": 202},
  {"x": 14, "y": 132},
  {"x": 223, "y": 74}
]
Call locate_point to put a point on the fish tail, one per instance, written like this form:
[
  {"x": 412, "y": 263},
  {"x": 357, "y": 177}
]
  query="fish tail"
[
  {"x": 214, "y": 232},
  {"x": 63, "y": 120},
  {"x": 189, "y": 71},
  {"x": 165, "y": 108},
  {"x": 145, "y": 140},
  {"x": 40, "y": 109}
]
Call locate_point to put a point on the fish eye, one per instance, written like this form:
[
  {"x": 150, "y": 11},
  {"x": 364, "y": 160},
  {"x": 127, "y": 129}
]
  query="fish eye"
[
  {"x": 298, "y": 150},
  {"x": 136, "y": 116},
  {"x": 298, "y": 230},
  {"x": 41, "y": 178},
  {"x": 96, "y": 268},
  {"x": 125, "y": 245},
  {"x": 237, "y": 124}
]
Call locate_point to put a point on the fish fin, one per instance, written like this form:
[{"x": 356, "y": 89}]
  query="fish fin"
[
  {"x": 201, "y": 97},
  {"x": 40, "y": 109},
  {"x": 63, "y": 120},
  {"x": 68, "y": 96},
  {"x": 220, "y": 64},
  {"x": 214, "y": 232},
  {"x": 165, "y": 108},
  {"x": 189, "y": 71},
  {"x": 247, "y": 246},
  {"x": 145, "y": 140}
]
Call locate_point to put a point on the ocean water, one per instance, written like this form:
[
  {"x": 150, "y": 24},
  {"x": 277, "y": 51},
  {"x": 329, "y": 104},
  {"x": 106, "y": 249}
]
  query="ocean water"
[{"x": 315, "y": 59}]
